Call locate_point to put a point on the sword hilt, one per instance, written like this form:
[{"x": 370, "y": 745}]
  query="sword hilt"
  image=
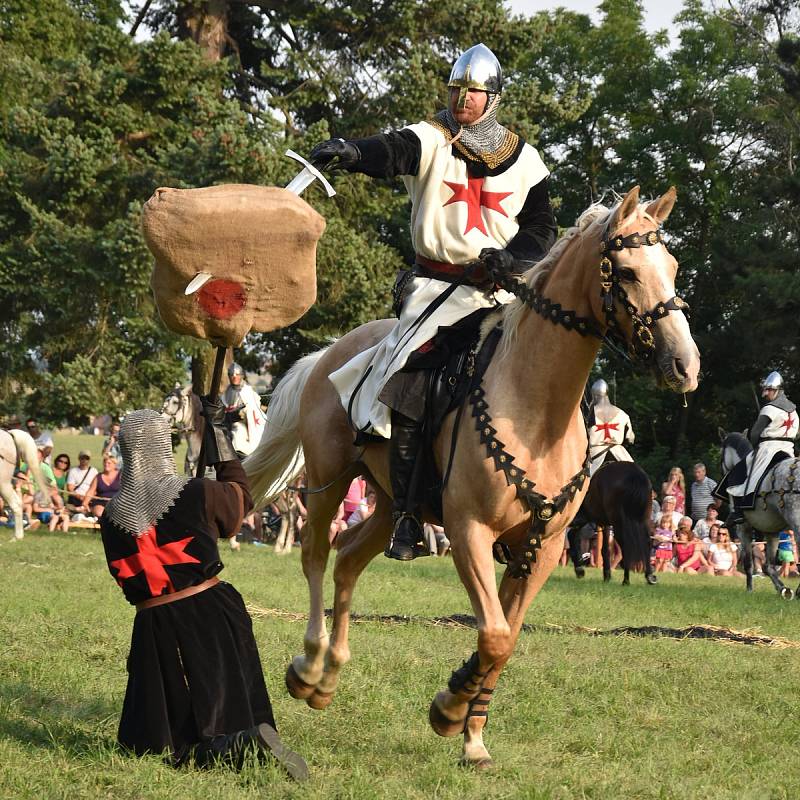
[{"x": 307, "y": 176}]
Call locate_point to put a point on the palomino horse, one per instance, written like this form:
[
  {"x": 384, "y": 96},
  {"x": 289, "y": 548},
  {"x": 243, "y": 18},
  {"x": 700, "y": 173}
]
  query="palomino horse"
[
  {"x": 183, "y": 409},
  {"x": 527, "y": 411},
  {"x": 777, "y": 508},
  {"x": 16, "y": 446},
  {"x": 619, "y": 497}
]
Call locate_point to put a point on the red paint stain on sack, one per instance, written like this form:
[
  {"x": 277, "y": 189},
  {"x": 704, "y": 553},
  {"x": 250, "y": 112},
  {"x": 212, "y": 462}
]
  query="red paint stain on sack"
[{"x": 222, "y": 299}]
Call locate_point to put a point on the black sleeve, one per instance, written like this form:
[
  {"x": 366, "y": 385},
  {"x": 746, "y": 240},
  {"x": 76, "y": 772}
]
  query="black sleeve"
[
  {"x": 758, "y": 428},
  {"x": 537, "y": 226},
  {"x": 388, "y": 154},
  {"x": 228, "y": 497}
]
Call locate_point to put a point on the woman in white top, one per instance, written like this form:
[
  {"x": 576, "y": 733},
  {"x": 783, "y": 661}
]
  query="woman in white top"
[{"x": 723, "y": 554}]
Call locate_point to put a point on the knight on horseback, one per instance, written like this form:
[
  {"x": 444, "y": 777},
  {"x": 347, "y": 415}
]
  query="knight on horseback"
[
  {"x": 772, "y": 436},
  {"x": 480, "y": 212},
  {"x": 609, "y": 429},
  {"x": 243, "y": 412}
]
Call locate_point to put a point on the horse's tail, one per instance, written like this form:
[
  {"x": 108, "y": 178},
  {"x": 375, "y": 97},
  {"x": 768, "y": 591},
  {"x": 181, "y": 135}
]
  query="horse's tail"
[
  {"x": 631, "y": 528},
  {"x": 279, "y": 456},
  {"x": 26, "y": 447}
]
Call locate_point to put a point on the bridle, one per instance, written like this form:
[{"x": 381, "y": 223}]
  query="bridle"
[
  {"x": 643, "y": 345},
  {"x": 183, "y": 402}
]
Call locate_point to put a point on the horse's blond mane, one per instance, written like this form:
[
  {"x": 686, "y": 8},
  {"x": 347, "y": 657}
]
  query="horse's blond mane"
[{"x": 596, "y": 215}]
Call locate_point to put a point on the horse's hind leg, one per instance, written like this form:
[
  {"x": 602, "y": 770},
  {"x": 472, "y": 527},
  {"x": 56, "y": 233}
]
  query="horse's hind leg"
[
  {"x": 357, "y": 547},
  {"x": 14, "y": 502},
  {"x": 604, "y": 552},
  {"x": 305, "y": 671},
  {"x": 515, "y": 596}
]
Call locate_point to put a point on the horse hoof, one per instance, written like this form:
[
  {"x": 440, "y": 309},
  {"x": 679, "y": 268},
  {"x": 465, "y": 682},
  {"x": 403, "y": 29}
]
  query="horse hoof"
[
  {"x": 443, "y": 725},
  {"x": 319, "y": 701},
  {"x": 787, "y": 593},
  {"x": 606, "y": 577},
  {"x": 297, "y": 687},
  {"x": 652, "y": 579},
  {"x": 626, "y": 581},
  {"x": 480, "y": 763},
  {"x": 579, "y": 572}
]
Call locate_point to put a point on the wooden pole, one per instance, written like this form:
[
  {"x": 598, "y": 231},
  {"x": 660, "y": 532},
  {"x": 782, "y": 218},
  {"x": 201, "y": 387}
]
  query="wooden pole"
[{"x": 213, "y": 393}]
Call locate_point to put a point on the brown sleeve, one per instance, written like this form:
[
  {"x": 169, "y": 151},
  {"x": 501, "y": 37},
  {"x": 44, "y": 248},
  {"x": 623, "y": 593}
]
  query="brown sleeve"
[{"x": 228, "y": 498}]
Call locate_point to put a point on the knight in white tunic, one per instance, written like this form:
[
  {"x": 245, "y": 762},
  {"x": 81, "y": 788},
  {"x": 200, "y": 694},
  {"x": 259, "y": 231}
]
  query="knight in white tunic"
[
  {"x": 479, "y": 193},
  {"x": 772, "y": 436},
  {"x": 243, "y": 412},
  {"x": 609, "y": 429}
]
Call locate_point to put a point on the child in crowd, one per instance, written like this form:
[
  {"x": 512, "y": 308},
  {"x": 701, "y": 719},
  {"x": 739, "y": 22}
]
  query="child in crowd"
[
  {"x": 787, "y": 555},
  {"x": 664, "y": 537},
  {"x": 689, "y": 552}
]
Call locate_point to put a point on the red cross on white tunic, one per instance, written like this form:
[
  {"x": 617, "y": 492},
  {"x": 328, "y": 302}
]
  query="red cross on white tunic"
[
  {"x": 606, "y": 427},
  {"x": 476, "y": 198},
  {"x": 151, "y": 559},
  {"x": 788, "y": 423}
]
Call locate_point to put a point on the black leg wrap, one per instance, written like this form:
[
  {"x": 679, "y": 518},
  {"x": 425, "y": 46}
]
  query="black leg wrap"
[{"x": 468, "y": 677}]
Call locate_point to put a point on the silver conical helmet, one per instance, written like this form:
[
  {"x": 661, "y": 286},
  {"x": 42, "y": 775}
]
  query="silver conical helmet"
[
  {"x": 772, "y": 381},
  {"x": 476, "y": 68},
  {"x": 235, "y": 369},
  {"x": 599, "y": 391}
]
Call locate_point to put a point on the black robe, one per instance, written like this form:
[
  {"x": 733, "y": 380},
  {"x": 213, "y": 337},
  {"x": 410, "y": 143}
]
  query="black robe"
[{"x": 193, "y": 670}]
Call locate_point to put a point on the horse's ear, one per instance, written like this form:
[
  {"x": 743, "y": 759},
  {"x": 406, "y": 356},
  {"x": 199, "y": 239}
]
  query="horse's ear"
[
  {"x": 628, "y": 205},
  {"x": 722, "y": 434},
  {"x": 660, "y": 209}
]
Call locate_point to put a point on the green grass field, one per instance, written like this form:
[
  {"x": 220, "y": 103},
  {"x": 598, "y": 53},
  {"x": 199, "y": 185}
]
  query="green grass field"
[{"x": 574, "y": 716}]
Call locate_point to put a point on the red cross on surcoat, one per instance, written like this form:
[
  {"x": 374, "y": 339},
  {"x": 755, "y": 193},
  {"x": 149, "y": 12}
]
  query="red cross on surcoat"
[
  {"x": 788, "y": 423},
  {"x": 151, "y": 559},
  {"x": 476, "y": 198},
  {"x": 607, "y": 427}
]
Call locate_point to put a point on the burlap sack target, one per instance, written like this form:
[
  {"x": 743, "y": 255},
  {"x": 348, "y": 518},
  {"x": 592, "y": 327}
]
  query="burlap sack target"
[{"x": 259, "y": 244}]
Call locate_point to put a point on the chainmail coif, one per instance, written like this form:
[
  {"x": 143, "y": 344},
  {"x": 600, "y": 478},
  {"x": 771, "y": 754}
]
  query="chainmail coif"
[
  {"x": 485, "y": 136},
  {"x": 149, "y": 483}
]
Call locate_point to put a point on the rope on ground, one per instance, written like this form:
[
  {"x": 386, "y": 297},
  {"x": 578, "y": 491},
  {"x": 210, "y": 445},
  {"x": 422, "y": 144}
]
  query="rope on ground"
[{"x": 709, "y": 632}]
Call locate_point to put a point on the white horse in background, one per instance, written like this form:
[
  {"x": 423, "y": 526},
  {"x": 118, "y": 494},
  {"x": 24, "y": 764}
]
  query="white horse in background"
[
  {"x": 183, "y": 409},
  {"x": 16, "y": 446}
]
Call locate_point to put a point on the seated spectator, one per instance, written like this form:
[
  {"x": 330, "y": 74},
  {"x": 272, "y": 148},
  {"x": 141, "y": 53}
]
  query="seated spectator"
[
  {"x": 664, "y": 537},
  {"x": 723, "y": 555},
  {"x": 435, "y": 538},
  {"x": 79, "y": 479},
  {"x": 111, "y": 445},
  {"x": 61, "y": 466},
  {"x": 689, "y": 552},
  {"x": 42, "y": 438},
  {"x": 787, "y": 554},
  {"x": 668, "y": 507},
  {"x": 338, "y": 524},
  {"x": 365, "y": 509},
  {"x": 702, "y": 526},
  {"x": 675, "y": 486},
  {"x": 54, "y": 514},
  {"x": 104, "y": 486},
  {"x": 701, "y": 493},
  {"x": 356, "y": 492}
]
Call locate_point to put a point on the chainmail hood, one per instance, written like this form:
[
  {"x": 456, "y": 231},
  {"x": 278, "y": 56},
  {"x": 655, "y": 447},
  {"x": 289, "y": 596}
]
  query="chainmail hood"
[
  {"x": 149, "y": 484},
  {"x": 782, "y": 402},
  {"x": 485, "y": 137}
]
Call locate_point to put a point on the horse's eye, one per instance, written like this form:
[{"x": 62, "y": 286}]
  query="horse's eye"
[{"x": 627, "y": 275}]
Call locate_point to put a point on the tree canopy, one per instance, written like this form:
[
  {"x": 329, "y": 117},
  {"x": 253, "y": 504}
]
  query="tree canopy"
[{"x": 92, "y": 120}]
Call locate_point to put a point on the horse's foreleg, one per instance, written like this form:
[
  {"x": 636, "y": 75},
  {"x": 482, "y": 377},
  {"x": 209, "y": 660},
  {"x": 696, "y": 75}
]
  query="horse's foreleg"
[
  {"x": 747, "y": 556},
  {"x": 357, "y": 547},
  {"x": 770, "y": 554},
  {"x": 305, "y": 671},
  {"x": 516, "y": 597},
  {"x": 472, "y": 554},
  {"x": 604, "y": 552}
]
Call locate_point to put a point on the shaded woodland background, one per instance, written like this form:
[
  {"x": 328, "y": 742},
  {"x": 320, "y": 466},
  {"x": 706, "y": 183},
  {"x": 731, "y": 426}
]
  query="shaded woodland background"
[{"x": 101, "y": 103}]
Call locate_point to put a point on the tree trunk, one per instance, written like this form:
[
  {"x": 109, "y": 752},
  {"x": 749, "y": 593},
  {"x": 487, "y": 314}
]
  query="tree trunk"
[{"x": 206, "y": 23}]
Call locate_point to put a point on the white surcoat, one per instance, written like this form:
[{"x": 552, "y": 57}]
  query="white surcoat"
[
  {"x": 611, "y": 430},
  {"x": 782, "y": 430},
  {"x": 247, "y": 432},
  {"x": 453, "y": 217}
]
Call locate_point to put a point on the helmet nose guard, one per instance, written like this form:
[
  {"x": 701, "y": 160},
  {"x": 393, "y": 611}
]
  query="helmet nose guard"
[{"x": 476, "y": 68}]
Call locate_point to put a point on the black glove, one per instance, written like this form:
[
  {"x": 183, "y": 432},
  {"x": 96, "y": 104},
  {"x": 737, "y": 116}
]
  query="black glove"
[
  {"x": 216, "y": 437},
  {"x": 335, "y": 154},
  {"x": 233, "y": 416},
  {"x": 499, "y": 263}
]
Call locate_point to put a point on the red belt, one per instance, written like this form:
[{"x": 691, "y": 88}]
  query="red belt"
[
  {"x": 163, "y": 599},
  {"x": 451, "y": 270}
]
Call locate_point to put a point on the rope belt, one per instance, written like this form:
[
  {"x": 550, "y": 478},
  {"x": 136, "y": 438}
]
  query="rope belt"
[{"x": 163, "y": 599}]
